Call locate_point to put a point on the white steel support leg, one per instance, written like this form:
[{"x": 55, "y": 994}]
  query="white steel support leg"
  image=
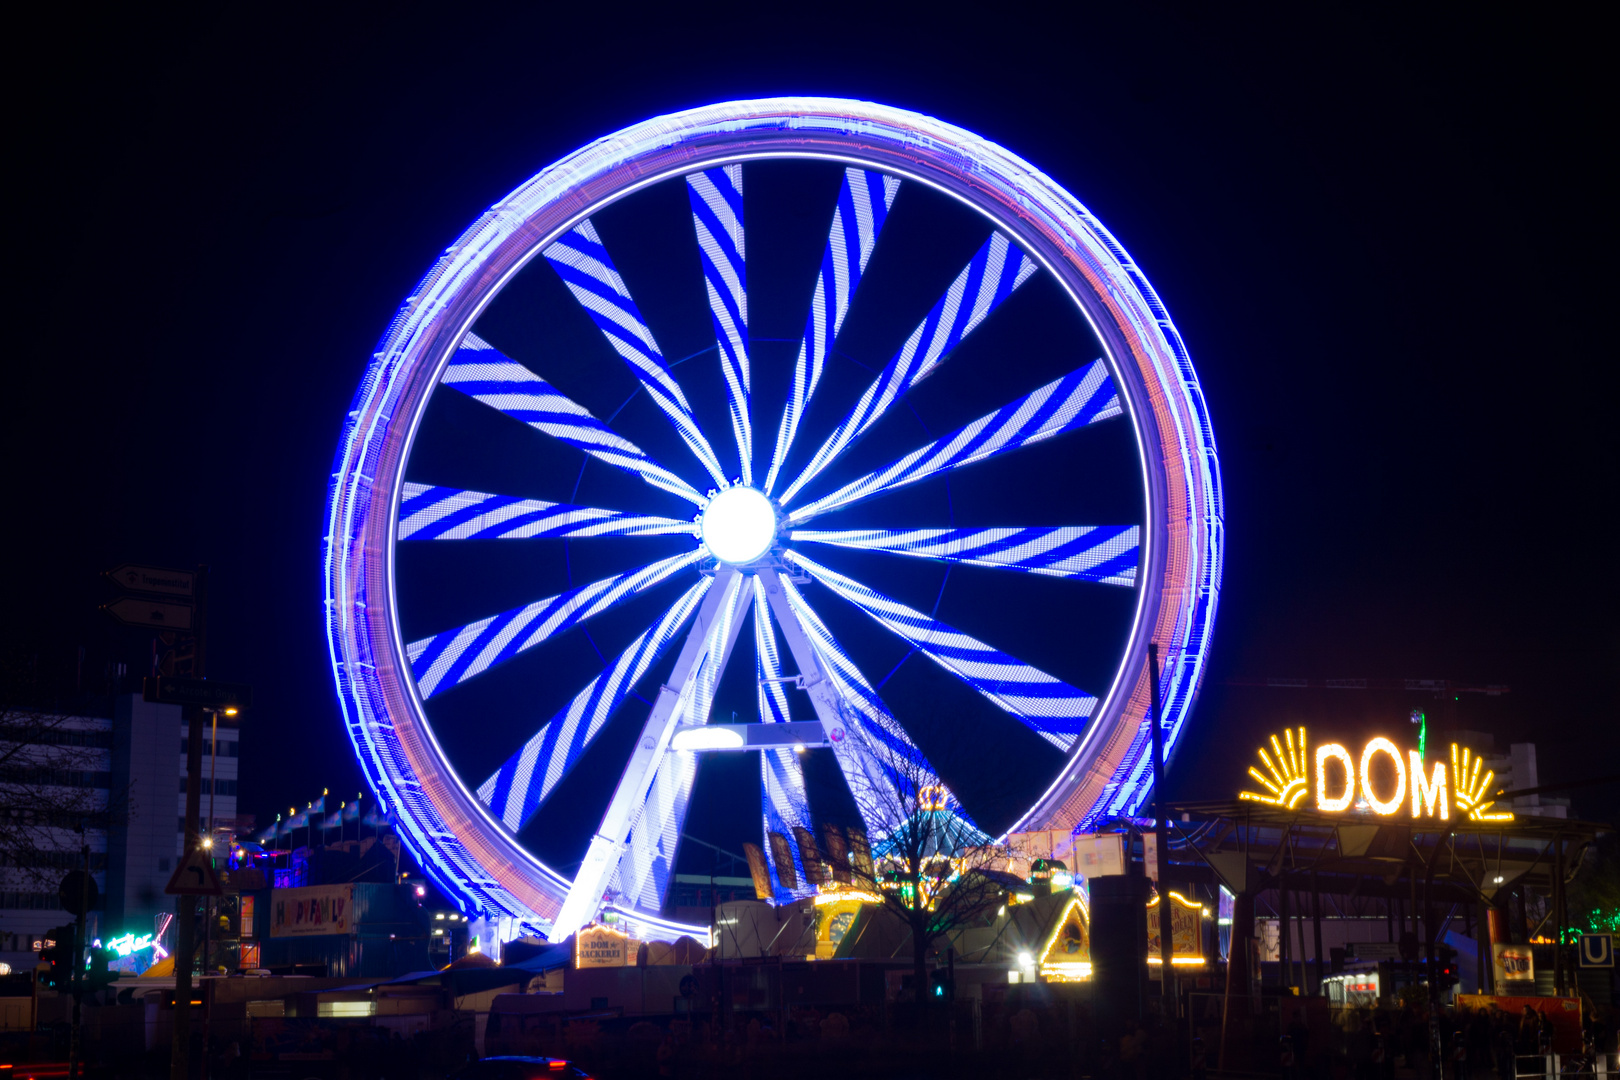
[
  {"x": 861, "y": 768},
  {"x": 608, "y": 845}
]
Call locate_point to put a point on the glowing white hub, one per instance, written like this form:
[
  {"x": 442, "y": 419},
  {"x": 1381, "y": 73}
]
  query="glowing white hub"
[{"x": 739, "y": 525}]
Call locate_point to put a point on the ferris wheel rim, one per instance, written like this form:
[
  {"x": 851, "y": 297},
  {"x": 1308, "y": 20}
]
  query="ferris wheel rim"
[{"x": 445, "y": 337}]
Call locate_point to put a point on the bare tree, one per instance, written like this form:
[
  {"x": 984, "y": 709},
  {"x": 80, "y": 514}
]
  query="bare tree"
[
  {"x": 54, "y": 782},
  {"x": 925, "y": 860}
]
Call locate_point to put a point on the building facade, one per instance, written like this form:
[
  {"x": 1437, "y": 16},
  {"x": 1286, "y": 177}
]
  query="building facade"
[{"x": 124, "y": 777}]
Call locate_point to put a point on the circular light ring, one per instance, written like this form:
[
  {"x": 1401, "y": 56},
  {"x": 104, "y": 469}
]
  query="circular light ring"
[
  {"x": 470, "y": 855},
  {"x": 739, "y": 525}
]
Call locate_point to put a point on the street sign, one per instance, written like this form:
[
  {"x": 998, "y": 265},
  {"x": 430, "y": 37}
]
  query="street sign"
[
  {"x": 154, "y": 579},
  {"x": 1375, "y": 950},
  {"x": 78, "y": 893},
  {"x": 139, "y": 611},
  {"x": 195, "y": 876},
  {"x": 205, "y": 693},
  {"x": 1597, "y": 950}
]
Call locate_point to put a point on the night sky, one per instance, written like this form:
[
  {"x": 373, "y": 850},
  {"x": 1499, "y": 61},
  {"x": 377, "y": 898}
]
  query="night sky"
[{"x": 1383, "y": 239}]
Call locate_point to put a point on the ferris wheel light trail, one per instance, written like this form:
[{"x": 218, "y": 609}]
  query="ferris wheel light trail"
[
  {"x": 863, "y": 205},
  {"x": 742, "y": 549},
  {"x": 1080, "y": 398},
  {"x": 739, "y": 525},
  {"x": 989, "y": 278},
  {"x": 582, "y": 261},
  {"x": 484, "y": 374}
]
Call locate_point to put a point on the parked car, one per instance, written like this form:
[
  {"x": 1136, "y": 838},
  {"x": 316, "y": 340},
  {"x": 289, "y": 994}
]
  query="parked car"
[{"x": 522, "y": 1068}]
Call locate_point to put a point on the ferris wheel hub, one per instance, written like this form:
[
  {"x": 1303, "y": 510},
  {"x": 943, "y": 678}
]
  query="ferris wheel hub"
[{"x": 739, "y": 525}]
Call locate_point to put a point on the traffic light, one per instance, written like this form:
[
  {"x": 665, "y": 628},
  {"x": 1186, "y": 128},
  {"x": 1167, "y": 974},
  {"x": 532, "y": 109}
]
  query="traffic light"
[
  {"x": 941, "y": 984},
  {"x": 96, "y": 975},
  {"x": 58, "y": 954},
  {"x": 1445, "y": 958}
]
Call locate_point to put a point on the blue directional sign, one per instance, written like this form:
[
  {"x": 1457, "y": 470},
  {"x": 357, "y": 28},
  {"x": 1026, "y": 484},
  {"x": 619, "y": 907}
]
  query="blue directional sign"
[{"x": 1597, "y": 950}]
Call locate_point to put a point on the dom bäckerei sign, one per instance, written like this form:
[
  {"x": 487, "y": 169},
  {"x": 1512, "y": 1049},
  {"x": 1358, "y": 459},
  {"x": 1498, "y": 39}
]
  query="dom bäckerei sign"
[
  {"x": 601, "y": 946},
  {"x": 1381, "y": 779}
]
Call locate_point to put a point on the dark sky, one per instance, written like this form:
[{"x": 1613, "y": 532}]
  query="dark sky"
[{"x": 1384, "y": 238}]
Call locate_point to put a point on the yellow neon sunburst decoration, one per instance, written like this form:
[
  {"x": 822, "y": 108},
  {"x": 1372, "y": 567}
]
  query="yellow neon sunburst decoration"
[
  {"x": 1287, "y": 784},
  {"x": 1469, "y": 787}
]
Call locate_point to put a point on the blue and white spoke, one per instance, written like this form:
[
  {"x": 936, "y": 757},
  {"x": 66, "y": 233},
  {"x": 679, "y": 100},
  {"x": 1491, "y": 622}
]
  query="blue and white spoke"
[
  {"x": 1050, "y": 707},
  {"x": 454, "y": 656},
  {"x": 784, "y": 802},
  {"x": 481, "y": 371},
  {"x": 717, "y": 215},
  {"x": 878, "y": 759},
  {"x": 988, "y": 279},
  {"x": 521, "y": 785},
  {"x": 582, "y": 261},
  {"x": 430, "y": 512},
  {"x": 863, "y": 205},
  {"x": 1102, "y": 553},
  {"x": 647, "y": 866},
  {"x": 1079, "y": 398}
]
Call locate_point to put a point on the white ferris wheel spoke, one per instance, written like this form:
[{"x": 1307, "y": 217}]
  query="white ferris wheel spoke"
[
  {"x": 582, "y": 261},
  {"x": 450, "y": 658},
  {"x": 872, "y": 750},
  {"x": 1050, "y": 707},
  {"x": 863, "y": 205},
  {"x": 481, "y": 371},
  {"x": 649, "y": 802},
  {"x": 1078, "y": 399},
  {"x": 784, "y": 804},
  {"x": 717, "y": 215},
  {"x": 989, "y": 278},
  {"x": 1101, "y": 553},
  {"x": 521, "y": 786},
  {"x": 430, "y": 512}
]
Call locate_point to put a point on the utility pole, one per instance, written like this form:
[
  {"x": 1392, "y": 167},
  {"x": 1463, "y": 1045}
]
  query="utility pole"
[
  {"x": 185, "y": 907},
  {"x": 76, "y": 1046},
  {"x": 1161, "y": 828}
]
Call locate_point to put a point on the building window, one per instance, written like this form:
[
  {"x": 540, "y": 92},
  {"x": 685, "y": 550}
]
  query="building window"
[
  {"x": 221, "y": 787},
  {"x": 163, "y": 863},
  {"x": 227, "y": 747}
]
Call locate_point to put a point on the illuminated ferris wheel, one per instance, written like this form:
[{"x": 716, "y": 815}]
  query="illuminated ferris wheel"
[{"x": 790, "y": 411}]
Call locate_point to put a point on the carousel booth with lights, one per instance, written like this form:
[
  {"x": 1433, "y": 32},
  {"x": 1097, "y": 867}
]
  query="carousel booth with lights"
[{"x": 771, "y": 428}]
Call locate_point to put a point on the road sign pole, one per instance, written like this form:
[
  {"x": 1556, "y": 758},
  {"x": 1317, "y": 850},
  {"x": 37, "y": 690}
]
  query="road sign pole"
[{"x": 185, "y": 907}]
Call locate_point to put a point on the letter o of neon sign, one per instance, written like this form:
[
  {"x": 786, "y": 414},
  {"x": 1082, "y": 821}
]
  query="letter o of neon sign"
[{"x": 1381, "y": 806}]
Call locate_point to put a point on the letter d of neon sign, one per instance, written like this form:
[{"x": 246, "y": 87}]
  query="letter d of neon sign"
[{"x": 1341, "y": 801}]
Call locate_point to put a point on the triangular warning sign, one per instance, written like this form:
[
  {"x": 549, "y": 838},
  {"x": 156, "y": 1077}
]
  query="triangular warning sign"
[{"x": 195, "y": 876}]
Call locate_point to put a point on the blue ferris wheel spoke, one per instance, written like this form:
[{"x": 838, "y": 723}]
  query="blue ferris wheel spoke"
[
  {"x": 448, "y": 659},
  {"x": 643, "y": 873},
  {"x": 481, "y": 371},
  {"x": 1079, "y": 398},
  {"x": 1053, "y": 709},
  {"x": 989, "y": 278},
  {"x": 1102, "y": 553},
  {"x": 519, "y": 787},
  {"x": 429, "y": 512},
  {"x": 863, "y": 205},
  {"x": 717, "y": 215},
  {"x": 582, "y": 261},
  {"x": 783, "y": 802}
]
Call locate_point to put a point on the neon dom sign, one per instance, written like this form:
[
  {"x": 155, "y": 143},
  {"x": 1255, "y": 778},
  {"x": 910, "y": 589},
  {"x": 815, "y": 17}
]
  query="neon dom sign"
[{"x": 1382, "y": 779}]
